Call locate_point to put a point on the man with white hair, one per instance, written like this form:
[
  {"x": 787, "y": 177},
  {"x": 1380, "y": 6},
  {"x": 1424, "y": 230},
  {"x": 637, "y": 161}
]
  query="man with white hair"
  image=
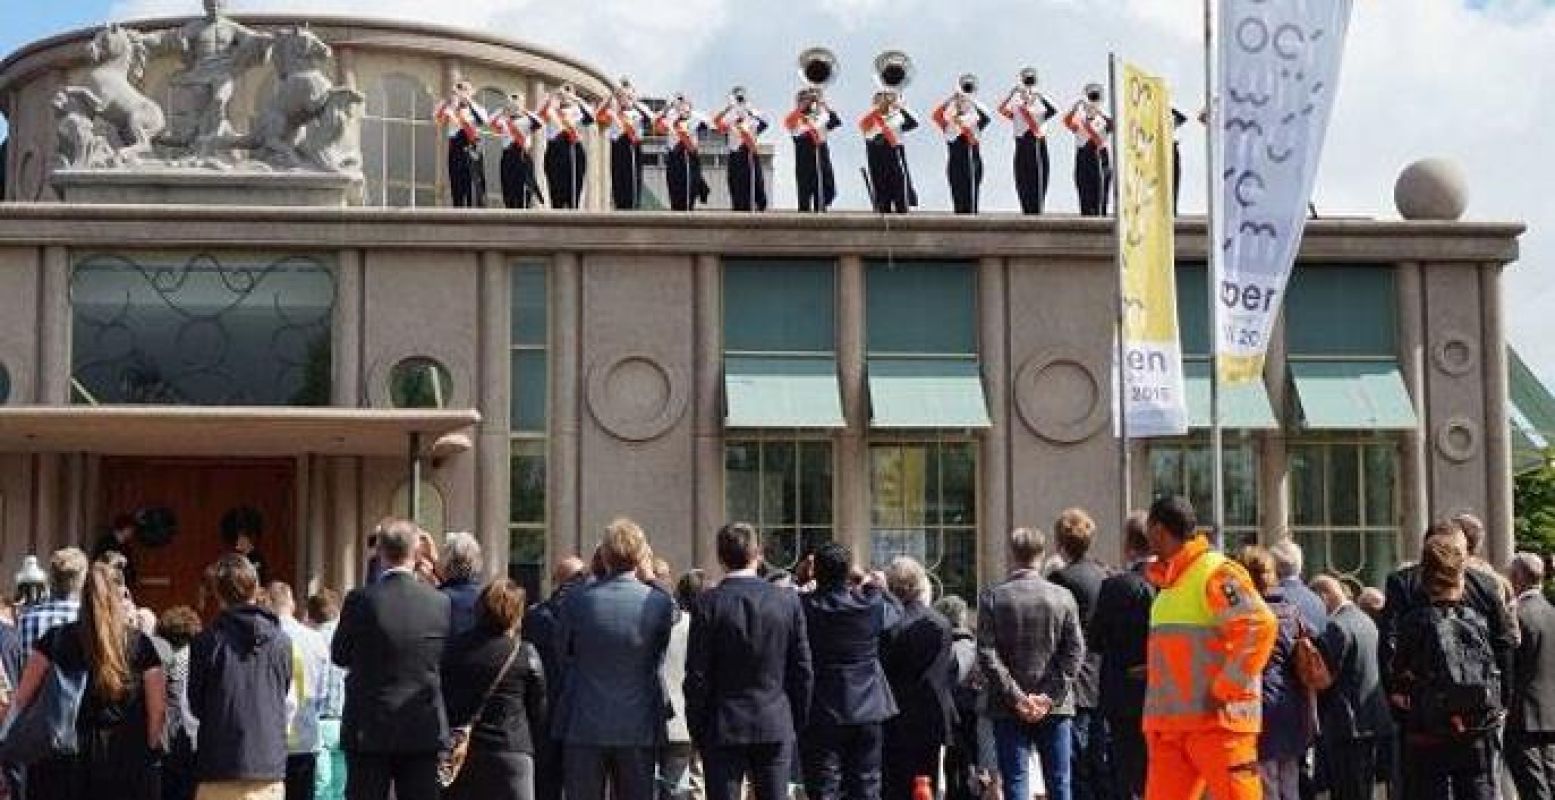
[
  {"x": 917, "y": 662},
  {"x": 461, "y": 571},
  {"x": 1530, "y": 723},
  {"x": 1287, "y": 568}
]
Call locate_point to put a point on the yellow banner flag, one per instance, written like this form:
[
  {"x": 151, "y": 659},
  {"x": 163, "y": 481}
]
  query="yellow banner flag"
[{"x": 1154, "y": 399}]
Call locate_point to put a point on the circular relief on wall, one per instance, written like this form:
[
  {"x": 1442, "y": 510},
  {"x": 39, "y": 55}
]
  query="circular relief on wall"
[
  {"x": 1060, "y": 398},
  {"x": 636, "y": 397},
  {"x": 420, "y": 382},
  {"x": 1457, "y": 439},
  {"x": 1455, "y": 355}
]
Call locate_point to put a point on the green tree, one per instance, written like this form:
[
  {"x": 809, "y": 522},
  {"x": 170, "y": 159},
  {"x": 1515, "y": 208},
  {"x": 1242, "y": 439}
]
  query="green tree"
[{"x": 1533, "y": 502}]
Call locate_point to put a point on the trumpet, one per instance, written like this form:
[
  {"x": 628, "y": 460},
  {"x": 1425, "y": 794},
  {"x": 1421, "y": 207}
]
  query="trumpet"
[
  {"x": 818, "y": 67},
  {"x": 893, "y": 70},
  {"x": 737, "y": 94},
  {"x": 967, "y": 84},
  {"x": 1028, "y": 77}
]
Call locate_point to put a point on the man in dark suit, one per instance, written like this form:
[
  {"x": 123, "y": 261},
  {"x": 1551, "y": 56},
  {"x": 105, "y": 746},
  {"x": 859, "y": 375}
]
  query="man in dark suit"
[
  {"x": 540, "y": 629},
  {"x": 613, "y": 635},
  {"x": 390, "y": 639},
  {"x": 1029, "y": 646},
  {"x": 1082, "y": 576},
  {"x": 1120, "y": 634},
  {"x": 1353, "y": 711},
  {"x": 841, "y": 747},
  {"x": 1530, "y": 724},
  {"x": 748, "y": 675},
  {"x": 918, "y": 664},
  {"x": 1406, "y": 592}
]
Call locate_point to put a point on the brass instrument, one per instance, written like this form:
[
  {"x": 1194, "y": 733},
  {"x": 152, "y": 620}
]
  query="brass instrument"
[
  {"x": 1028, "y": 77},
  {"x": 967, "y": 83},
  {"x": 818, "y": 67},
  {"x": 893, "y": 70}
]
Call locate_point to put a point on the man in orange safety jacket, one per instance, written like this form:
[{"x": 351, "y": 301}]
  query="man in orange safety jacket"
[{"x": 1210, "y": 636}]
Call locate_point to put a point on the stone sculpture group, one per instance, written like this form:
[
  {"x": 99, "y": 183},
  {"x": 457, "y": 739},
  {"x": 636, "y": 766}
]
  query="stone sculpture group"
[{"x": 109, "y": 122}]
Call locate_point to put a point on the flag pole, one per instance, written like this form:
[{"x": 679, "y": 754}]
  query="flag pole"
[
  {"x": 1211, "y": 216},
  {"x": 1125, "y": 495}
]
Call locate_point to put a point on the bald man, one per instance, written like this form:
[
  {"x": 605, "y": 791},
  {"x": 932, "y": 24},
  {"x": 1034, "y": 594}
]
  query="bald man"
[
  {"x": 540, "y": 630},
  {"x": 1354, "y": 710}
]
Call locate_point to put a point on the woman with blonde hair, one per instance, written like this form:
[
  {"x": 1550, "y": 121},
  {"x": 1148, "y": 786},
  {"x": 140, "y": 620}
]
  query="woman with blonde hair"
[{"x": 120, "y": 721}]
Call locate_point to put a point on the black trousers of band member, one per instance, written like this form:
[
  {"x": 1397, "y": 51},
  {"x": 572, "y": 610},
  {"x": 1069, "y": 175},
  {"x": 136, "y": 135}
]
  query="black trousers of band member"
[
  {"x": 842, "y": 761},
  {"x": 747, "y": 186},
  {"x": 1033, "y": 168},
  {"x": 1176, "y": 175},
  {"x": 1093, "y": 179},
  {"x": 518, "y": 178},
  {"x": 813, "y": 174},
  {"x": 768, "y": 766},
  {"x": 566, "y": 169},
  {"x": 964, "y": 168},
  {"x": 626, "y": 174},
  {"x": 888, "y": 176},
  {"x": 466, "y": 174},
  {"x": 683, "y": 172}
]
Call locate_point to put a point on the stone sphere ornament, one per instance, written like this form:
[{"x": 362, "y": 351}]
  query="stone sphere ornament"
[{"x": 1431, "y": 189}]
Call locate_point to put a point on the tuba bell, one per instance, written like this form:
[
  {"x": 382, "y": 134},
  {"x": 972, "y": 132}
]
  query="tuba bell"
[
  {"x": 818, "y": 67},
  {"x": 893, "y": 70},
  {"x": 967, "y": 84},
  {"x": 1028, "y": 77}
]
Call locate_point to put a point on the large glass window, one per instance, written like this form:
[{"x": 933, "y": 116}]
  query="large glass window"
[
  {"x": 923, "y": 503},
  {"x": 528, "y": 396},
  {"x": 1183, "y": 467},
  {"x": 1344, "y": 506},
  {"x": 784, "y": 487},
  {"x": 399, "y": 144},
  {"x": 205, "y": 329},
  {"x": 492, "y": 100}
]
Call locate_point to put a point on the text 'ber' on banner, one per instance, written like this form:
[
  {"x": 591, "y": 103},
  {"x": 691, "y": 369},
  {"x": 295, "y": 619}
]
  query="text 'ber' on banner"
[
  {"x": 1154, "y": 400},
  {"x": 1279, "y": 73}
]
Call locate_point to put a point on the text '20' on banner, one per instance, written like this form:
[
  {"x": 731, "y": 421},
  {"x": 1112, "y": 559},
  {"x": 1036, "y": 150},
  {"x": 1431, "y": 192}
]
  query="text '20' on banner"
[
  {"x": 1279, "y": 73},
  {"x": 1154, "y": 402}
]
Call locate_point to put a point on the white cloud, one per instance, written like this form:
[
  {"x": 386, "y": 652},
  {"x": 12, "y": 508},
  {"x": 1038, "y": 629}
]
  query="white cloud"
[{"x": 1422, "y": 78}]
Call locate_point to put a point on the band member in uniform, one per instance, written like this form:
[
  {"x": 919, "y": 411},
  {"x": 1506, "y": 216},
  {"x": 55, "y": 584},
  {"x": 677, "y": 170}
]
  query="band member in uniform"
[
  {"x": 743, "y": 124},
  {"x": 461, "y": 120},
  {"x": 1092, "y": 162},
  {"x": 890, "y": 180},
  {"x": 626, "y": 120},
  {"x": 809, "y": 123},
  {"x": 962, "y": 120},
  {"x": 683, "y": 167},
  {"x": 1028, "y": 110},
  {"x": 516, "y": 125},
  {"x": 566, "y": 163}
]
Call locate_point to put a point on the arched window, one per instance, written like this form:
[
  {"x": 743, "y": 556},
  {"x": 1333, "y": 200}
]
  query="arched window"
[
  {"x": 493, "y": 100},
  {"x": 399, "y": 143}
]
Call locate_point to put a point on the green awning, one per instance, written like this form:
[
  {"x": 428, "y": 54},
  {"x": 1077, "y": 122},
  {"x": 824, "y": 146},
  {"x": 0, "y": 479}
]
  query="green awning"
[
  {"x": 1532, "y": 409},
  {"x": 1352, "y": 395},
  {"x": 926, "y": 393},
  {"x": 782, "y": 392},
  {"x": 1244, "y": 407}
]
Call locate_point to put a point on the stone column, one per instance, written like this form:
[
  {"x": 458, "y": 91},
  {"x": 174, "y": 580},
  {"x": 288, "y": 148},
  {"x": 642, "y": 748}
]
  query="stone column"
[
  {"x": 321, "y": 543},
  {"x": 1273, "y": 461},
  {"x": 346, "y": 332},
  {"x": 537, "y": 90},
  {"x": 54, "y": 364},
  {"x": 707, "y": 430},
  {"x": 565, "y": 356},
  {"x": 1414, "y": 461},
  {"x": 852, "y": 492},
  {"x": 443, "y": 190},
  {"x": 349, "y": 529},
  {"x": 492, "y": 448},
  {"x": 1498, "y": 450},
  {"x": 994, "y": 462}
]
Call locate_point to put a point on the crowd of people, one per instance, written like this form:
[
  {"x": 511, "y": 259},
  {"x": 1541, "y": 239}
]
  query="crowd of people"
[{"x": 1180, "y": 669}]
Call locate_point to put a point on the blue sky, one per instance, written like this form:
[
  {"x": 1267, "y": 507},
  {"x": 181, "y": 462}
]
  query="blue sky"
[{"x": 1467, "y": 80}]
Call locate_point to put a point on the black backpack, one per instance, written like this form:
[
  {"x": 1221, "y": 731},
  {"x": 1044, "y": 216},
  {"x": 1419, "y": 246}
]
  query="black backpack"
[{"x": 1456, "y": 686}]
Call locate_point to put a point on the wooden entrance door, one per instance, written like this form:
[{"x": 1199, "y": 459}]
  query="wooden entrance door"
[{"x": 201, "y": 493}]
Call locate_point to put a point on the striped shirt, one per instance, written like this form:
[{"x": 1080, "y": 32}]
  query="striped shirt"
[{"x": 39, "y": 619}]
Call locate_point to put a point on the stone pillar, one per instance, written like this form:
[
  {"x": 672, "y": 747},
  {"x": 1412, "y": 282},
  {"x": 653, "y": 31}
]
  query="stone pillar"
[
  {"x": 1414, "y": 461},
  {"x": 1273, "y": 473},
  {"x": 314, "y": 479},
  {"x": 994, "y": 462},
  {"x": 442, "y": 189},
  {"x": 852, "y": 512},
  {"x": 707, "y": 412},
  {"x": 1498, "y": 450},
  {"x": 54, "y": 365},
  {"x": 537, "y": 90},
  {"x": 346, "y": 332},
  {"x": 565, "y": 356},
  {"x": 492, "y": 448},
  {"x": 350, "y": 530}
]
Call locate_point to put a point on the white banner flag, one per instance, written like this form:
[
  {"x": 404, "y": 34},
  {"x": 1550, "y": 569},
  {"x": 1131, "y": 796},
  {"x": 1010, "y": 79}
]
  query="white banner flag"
[{"x": 1279, "y": 72}]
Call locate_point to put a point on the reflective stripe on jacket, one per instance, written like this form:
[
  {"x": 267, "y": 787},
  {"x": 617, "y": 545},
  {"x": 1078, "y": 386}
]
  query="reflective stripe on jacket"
[{"x": 1210, "y": 636}]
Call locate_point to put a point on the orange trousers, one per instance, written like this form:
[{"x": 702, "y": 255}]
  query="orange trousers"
[{"x": 1183, "y": 765}]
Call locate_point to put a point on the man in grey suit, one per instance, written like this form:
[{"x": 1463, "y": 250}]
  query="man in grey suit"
[
  {"x": 1029, "y": 647},
  {"x": 612, "y": 637},
  {"x": 1530, "y": 724},
  {"x": 1354, "y": 710}
]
